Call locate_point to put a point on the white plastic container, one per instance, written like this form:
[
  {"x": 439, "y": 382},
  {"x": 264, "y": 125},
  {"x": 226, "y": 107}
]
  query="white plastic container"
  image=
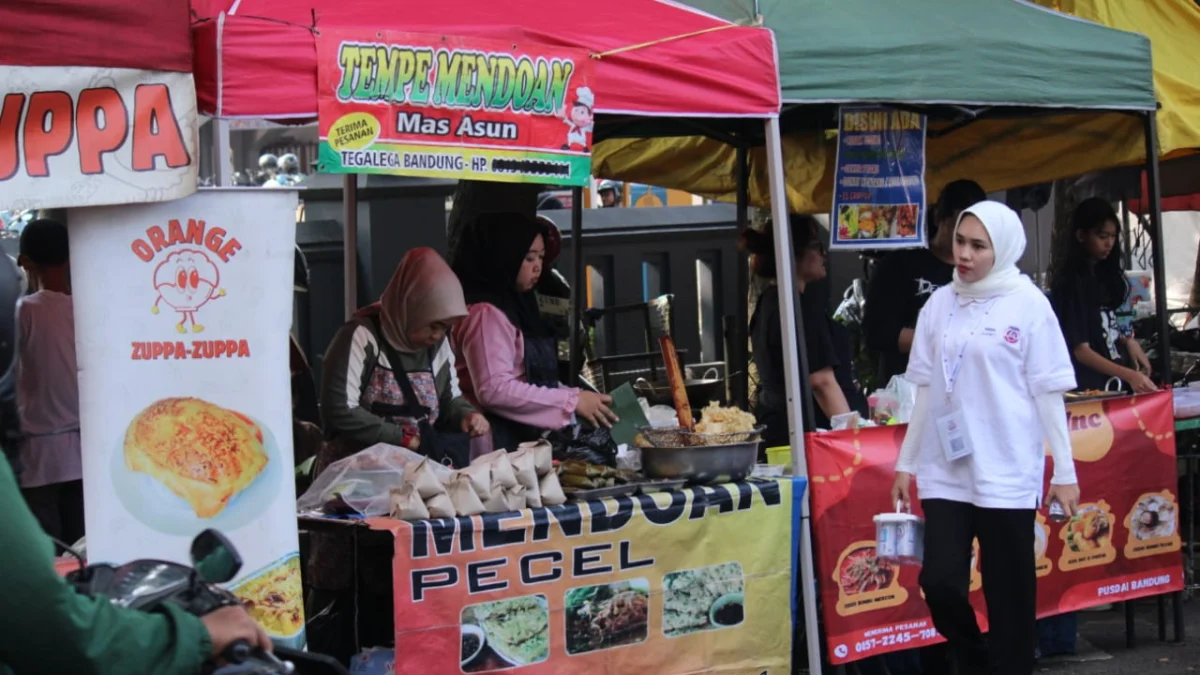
[{"x": 900, "y": 538}]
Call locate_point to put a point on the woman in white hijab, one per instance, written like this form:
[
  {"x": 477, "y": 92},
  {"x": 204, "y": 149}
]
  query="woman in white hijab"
[{"x": 991, "y": 366}]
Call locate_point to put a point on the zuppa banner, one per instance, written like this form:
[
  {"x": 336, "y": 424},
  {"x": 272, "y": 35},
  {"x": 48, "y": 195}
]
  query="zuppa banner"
[
  {"x": 82, "y": 136},
  {"x": 182, "y": 312},
  {"x": 879, "y": 182},
  {"x": 1123, "y": 545},
  {"x": 409, "y": 104},
  {"x": 689, "y": 581}
]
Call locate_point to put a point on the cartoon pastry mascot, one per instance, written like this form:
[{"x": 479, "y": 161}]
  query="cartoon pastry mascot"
[
  {"x": 579, "y": 120},
  {"x": 186, "y": 281}
]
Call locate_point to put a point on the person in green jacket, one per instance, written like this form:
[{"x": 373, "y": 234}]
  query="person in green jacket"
[{"x": 47, "y": 627}]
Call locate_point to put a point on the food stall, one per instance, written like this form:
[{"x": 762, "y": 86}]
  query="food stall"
[{"x": 630, "y": 81}]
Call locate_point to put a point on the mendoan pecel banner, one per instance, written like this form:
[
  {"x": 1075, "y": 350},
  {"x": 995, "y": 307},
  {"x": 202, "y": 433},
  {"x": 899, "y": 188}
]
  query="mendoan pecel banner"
[
  {"x": 1123, "y": 545},
  {"x": 409, "y": 104},
  {"x": 691, "y": 581}
]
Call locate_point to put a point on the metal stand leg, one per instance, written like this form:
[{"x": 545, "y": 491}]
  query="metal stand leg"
[
  {"x": 1130, "y": 637},
  {"x": 1162, "y": 617},
  {"x": 1177, "y": 599}
]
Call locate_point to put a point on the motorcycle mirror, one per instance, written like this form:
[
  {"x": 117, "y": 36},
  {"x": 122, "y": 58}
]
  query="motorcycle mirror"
[{"x": 214, "y": 557}]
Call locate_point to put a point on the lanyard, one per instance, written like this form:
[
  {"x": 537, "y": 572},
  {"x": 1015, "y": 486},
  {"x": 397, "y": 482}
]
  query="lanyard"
[{"x": 951, "y": 373}]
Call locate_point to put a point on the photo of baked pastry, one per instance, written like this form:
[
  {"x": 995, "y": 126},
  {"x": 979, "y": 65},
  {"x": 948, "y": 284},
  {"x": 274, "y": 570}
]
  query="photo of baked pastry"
[
  {"x": 202, "y": 452},
  {"x": 274, "y": 597}
]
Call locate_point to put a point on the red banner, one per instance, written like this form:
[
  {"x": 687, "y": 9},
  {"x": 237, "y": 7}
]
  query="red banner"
[{"x": 1125, "y": 544}]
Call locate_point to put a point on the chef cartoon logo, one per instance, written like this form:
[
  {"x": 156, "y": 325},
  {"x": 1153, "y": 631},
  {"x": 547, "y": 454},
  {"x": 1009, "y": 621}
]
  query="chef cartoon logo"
[
  {"x": 579, "y": 119},
  {"x": 186, "y": 280},
  {"x": 1012, "y": 335}
]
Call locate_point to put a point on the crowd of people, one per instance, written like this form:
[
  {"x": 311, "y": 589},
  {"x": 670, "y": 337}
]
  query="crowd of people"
[{"x": 962, "y": 324}]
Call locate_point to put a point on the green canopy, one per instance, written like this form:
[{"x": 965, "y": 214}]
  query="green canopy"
[{"x": 969, "y": 52}]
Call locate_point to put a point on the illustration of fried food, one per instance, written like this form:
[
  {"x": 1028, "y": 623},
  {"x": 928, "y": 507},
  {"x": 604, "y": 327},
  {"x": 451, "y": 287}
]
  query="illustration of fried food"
[
  {"x": 200, "y": 451},
  {"x": 274, "y": 597}
]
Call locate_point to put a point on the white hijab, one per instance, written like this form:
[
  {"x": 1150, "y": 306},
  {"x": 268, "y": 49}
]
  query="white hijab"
[{"x": 1008, "y": 241}]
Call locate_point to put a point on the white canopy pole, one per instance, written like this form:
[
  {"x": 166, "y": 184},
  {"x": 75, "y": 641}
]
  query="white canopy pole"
[{"x": 785, "y": 268}]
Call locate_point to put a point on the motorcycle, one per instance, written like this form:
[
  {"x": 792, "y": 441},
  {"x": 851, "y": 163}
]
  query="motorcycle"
[{"x": 148, "y": 584}]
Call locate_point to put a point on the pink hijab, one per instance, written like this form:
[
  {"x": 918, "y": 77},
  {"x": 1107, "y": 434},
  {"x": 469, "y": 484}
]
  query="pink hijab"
[{"x": 423, "y": 290}]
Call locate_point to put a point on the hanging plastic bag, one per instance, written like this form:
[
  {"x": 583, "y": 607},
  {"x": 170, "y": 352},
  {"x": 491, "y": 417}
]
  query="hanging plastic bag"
[{"x": 362, "y": 482}]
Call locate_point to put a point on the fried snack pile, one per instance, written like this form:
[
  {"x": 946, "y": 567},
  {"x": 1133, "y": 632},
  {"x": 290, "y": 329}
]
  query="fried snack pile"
[{"x": 715, "y": 419}]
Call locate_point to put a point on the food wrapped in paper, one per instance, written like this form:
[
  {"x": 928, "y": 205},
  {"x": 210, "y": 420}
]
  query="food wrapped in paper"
[
  {"x": 425, "y": 478},
  {"x": 515, "y": 496},
  {"x": 497, "y": 500},
  {"x": 543, "y": 455},
  {"x": 480, "y": 477},
  {"x": 524, "y": 467},
  {"x": 551, "y": 490},
  {"x": 440, "y": 506},
  {"x": 407, "y": 504},
  {"x": 500, "y": 466},
  {"x": 464, "y": 496}
]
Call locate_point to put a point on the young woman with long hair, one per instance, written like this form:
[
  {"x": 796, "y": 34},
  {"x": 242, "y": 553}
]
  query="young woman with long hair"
[{"x": 1087, "y": 287}]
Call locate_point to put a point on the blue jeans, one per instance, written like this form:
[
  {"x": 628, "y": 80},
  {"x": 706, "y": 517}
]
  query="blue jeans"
[{"x": 1056, "y": 635}]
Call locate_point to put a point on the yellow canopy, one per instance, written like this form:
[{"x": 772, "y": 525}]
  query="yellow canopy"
[{"x": 998, "y": 153}]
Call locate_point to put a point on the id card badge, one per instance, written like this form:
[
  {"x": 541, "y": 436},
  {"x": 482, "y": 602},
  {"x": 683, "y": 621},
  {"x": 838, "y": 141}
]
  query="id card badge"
[{"x": 952, "y": 432}]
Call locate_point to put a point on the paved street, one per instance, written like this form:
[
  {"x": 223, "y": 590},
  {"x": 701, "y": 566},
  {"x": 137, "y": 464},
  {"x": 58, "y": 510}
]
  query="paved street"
[{"x": 1104, "y": 632}]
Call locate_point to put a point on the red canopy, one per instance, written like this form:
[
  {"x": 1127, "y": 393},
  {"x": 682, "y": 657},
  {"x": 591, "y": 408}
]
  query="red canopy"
[
  {"x": 148, "y": 35},
  {"x": 260, "y": 60}
]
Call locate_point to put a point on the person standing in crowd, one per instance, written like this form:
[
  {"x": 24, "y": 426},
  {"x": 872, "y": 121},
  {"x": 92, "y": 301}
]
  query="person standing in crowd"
[
  {"x": 1087, "y": 286},
  {"x": 904, "y": 280},
  {"x": 507, "y": 354},
  {"x": 991, "y": 367},
  {"x": 830, "y": 381},
  {"x": 51, "y": 476}
]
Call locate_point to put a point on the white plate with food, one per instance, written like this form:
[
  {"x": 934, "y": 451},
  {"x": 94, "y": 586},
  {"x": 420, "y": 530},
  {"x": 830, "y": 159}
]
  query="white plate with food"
[
  {"x": 1154, "y": 517},
  {"x": 179, "y": 482}
]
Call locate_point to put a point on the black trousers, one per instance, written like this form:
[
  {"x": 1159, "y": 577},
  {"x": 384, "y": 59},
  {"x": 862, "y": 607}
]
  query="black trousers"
[
  {"x": 1009, "y": 584},
  {"x": 58, "y": 507}
]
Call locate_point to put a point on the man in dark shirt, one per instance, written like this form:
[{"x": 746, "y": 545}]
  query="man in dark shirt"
[{"x": 904, "y": 280}]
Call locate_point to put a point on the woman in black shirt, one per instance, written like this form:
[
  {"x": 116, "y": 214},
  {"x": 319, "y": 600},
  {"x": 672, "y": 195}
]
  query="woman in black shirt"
[
  {"x": 1087, "y": 287},
  {"x": 830, "y": 381}
]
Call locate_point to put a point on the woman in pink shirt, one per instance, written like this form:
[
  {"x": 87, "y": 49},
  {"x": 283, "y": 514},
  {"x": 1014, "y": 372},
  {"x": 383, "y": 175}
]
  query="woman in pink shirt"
[{"x": 506, "y": 354}]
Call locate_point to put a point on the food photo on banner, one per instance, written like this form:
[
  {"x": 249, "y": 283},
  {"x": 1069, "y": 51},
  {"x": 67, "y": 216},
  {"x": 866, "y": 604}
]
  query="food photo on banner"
[
  {"x": 182, "y": 312},
  {"x": 879, "y": 181},
  {"x": 453, "y": 107},
  {"x": 669, "y": 582},
  {"x": 1123, "y": 544}
]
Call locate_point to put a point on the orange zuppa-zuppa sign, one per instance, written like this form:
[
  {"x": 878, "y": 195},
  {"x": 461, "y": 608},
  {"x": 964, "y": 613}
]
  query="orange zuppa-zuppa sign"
[
  {"x": 187, "y": 256},
  {"x": 79, "y": 136}
]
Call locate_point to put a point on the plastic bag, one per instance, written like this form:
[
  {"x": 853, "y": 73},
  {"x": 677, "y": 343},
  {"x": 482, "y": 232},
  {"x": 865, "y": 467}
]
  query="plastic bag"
[
  {"x": 659, "y": 416},
  {"x": 362, "y": 481},
  {"x": 905, "y": 395},
  {"x": 594, "y": 446}
]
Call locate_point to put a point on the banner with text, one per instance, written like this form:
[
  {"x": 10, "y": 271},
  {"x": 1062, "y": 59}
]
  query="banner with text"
[
  {"x": 879, "y": 182},
  {"x": 408, "y": 104},
  {"x": 1123, "y": 545},
  {"x": 695, "y": 580},
  {"x": 82, "y": 136},
  {"x": 182, "y": 312}
]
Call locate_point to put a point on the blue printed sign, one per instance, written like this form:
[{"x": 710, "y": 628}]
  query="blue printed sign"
[{"x": 879, "y": 188}]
